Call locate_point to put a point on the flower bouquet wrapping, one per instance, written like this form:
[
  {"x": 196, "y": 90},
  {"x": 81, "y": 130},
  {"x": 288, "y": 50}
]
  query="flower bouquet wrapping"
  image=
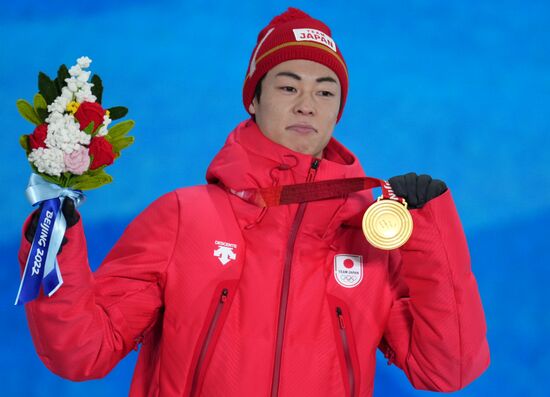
[{"x": 71, "y": 145}]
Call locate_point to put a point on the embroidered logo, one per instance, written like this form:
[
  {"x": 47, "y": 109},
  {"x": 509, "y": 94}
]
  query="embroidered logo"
[
  {"x": 224, "y": 252},
  {"x": 314, "y": 35},
  {"x": 348, "y": 270}
]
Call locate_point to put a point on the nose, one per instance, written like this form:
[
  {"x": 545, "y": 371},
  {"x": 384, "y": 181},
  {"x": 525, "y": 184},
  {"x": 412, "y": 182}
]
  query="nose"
[{"x": 304, "y": 105}]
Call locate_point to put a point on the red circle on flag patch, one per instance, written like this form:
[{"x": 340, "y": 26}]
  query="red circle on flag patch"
[{"x": 348, "y": 263}]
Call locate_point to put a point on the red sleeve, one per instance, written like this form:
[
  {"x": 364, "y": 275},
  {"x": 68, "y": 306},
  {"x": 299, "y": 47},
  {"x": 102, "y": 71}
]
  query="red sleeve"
[
  {"x": 95, "y": 319},
  {"x": 436, "y": 329}
]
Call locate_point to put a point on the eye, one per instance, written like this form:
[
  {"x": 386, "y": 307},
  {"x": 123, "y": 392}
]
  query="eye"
[
  {"x": 326, "y": 93},
  {"x": 287, "y": 88}
]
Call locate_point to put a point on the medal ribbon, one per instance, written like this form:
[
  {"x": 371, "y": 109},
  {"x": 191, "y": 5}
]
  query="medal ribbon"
[
  {"x": 313, "y": 191},
  {"x": 41, "y": 266}
]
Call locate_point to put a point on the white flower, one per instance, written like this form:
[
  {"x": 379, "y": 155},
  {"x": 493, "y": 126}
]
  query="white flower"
[
  {"x": 66, "y": 93},
  {"x": 85, "y": 96},
  {"x": 48, "y": 160},
  {"x": 75, "y": 70},
  {"x": 71, "y": 85},
  {"x": 106, "y": 119},
  {"x": 78, "y": 83},
  {"x": 54, "y": 117},
  {"x": 102, "y": 131},
  {"x": 64, "y": 134},
  {"x": 84, "y": 62},
  {"x": 59, "y": 104},
  {"x": 84, "y": 76}
]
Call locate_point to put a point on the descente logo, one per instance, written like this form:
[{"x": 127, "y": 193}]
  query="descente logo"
[
  {"x": 314, "y": 35},
  {"x": 224, "y": 252},
  {"x": 224, "y": 244}
]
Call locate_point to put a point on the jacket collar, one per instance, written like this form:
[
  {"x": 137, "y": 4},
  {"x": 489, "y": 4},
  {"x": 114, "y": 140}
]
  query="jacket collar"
[{"x": 250, "y": 160}]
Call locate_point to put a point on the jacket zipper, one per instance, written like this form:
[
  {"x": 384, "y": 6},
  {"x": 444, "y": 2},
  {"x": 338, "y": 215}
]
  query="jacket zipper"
[
  {"x": 286, "y": 283},
  {"x": 347, "y": 353},
  {"x": 204, "y": 348}
]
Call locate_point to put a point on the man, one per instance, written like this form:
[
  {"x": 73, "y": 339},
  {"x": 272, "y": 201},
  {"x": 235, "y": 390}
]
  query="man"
[{"x": 230, "y": 291}]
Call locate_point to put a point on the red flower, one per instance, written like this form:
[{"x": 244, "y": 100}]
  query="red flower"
[
  {"x": 36, "y": 139},
  {"x": 88, "y": 112},
  {"x": 102, "y": 152}
]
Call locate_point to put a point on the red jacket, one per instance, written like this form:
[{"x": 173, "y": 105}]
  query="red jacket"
[{"x": 228, "y": 299}]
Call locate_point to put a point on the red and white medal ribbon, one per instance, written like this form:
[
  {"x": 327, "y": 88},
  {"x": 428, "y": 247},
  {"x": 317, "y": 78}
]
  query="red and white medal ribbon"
[{"x": 386, "y": 224}]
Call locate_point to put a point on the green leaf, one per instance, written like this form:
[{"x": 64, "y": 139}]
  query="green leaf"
[
  {"x": 97, "y": 89},
  {"x": 65, "y": 179},
  {"x": 97, "y": 171},
  {"x": 57, "y": 88},
  {"x": 117, "y": 112},
  {"x": 62, "y": 74},
  {"x": 34, "y": 169},
  {"x": 39, "y": 102},
  {"x": 48, "y": 178},
  {"x": 24, "y": 142},
  {"x": 119, "y": 130},
  {"x": 97, "y": 129},
  {"x": 42, "y": 114},
  {"x": 47, "y": 88},
  {"x": 27, "y": 111},
  {"x": 90, "y": 128},
  {"x": 122, "y": 143},
  {"x": 40, "y": 107},
  {"x": 88, "y": 182}
]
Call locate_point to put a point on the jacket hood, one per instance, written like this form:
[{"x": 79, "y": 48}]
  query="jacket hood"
[{"x": 250, "y": 160}]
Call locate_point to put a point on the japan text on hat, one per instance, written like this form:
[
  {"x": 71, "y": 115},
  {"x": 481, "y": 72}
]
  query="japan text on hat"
[{"x": 294, "y": 35}]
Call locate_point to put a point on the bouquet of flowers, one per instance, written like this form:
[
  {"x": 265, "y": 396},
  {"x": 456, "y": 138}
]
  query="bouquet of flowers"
[
  {"x": 71, "y": 145},
  {"x": 73, "y": 140}
]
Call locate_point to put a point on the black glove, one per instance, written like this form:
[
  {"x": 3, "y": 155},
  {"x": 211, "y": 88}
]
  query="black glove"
[
  {"x": 417, "y": 190},
  {"x": 69, "y": 212}
]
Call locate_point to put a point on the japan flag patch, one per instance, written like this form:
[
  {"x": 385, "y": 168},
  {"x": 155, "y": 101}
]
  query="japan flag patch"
[{"x": 348, "y": 270}]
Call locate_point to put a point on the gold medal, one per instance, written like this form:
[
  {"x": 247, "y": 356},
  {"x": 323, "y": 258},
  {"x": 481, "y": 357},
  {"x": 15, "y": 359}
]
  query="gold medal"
[{"x": 387, "y": 224}]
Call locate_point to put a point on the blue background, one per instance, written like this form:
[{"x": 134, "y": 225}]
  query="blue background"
[{"x": 456, "y": 89}]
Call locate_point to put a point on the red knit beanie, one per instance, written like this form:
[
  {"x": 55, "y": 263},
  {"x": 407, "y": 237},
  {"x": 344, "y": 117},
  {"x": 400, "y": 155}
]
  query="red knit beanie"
[{"x": 294, "y": 35}]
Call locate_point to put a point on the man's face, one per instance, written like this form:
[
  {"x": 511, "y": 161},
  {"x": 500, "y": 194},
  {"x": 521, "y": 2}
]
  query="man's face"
[{"x": 298, "y": 105}]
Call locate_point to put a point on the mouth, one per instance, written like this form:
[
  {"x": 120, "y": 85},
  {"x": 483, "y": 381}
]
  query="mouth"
[{"x": 302, "y": 128}]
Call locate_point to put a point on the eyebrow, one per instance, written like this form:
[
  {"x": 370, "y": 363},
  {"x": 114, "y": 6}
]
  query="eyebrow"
[{"x": 296, "y": 77}]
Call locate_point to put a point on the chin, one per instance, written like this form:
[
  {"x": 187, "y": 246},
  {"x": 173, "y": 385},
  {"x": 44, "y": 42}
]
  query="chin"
[{"x": 307, "y": 151}]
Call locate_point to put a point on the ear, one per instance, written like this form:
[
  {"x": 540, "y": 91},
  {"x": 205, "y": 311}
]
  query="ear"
[{"x": 251, "y": 108}]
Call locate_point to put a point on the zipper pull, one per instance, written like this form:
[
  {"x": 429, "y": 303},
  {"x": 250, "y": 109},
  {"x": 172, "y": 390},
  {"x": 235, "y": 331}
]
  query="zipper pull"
[
  {"x": 223, "y": 297},
  {"x": 340, "y": 318},
  {"x": 313, "y": 170},
  {"x": 315, "y": 163}
]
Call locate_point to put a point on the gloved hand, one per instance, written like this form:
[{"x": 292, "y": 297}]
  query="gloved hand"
[
  {"x": 69, "y": 212},
  {"x": 417, "y": 190}
]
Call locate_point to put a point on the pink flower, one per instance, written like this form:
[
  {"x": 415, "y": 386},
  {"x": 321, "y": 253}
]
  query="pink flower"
[{"x": 78, "y": 161}]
